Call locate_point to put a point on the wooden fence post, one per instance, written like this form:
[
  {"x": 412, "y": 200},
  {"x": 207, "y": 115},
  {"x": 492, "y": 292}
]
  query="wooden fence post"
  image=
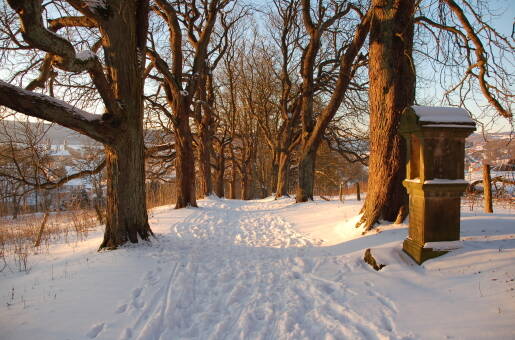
[{"x": 487, "y": 189}]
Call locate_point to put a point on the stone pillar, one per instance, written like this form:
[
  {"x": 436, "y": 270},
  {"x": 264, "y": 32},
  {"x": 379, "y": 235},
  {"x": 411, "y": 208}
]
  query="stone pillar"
[{"x": 435, "y": 176}]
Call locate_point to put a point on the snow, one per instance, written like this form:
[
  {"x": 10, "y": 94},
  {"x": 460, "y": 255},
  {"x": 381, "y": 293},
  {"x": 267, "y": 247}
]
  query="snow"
[
  {"x": 267, "y": 269},
  {"x": 444, "y": 245},
  {"x": 439, "y": 114},
  {"x": 439, "y": 181},
  {"x": 74, "y": 111},
  {"x": 86, "y": 55},
  {"x": 445, "y": 181},
  {"x": 447, "y": 126}
]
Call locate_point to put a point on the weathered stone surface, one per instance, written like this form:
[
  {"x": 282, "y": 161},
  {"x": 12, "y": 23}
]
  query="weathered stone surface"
[
  {"x": 435, "y": 172},
  {"x": 418, "y": 253}
]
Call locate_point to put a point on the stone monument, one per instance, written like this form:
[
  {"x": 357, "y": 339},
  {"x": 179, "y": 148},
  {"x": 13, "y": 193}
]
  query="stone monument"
[{"x": 435, "y": 139}]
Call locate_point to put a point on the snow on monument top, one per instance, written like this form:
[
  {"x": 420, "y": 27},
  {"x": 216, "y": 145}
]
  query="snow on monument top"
[{"x": 438, "y": 114}]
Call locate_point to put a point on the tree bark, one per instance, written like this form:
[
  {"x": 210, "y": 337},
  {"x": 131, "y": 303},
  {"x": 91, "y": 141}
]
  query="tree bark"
[
  {"x": 245, "y": 189},
  {"x": 184, "y": 165},
  {"x": 126, "y": 213},
  {"x": 219, "y": 176},
  {"x": 205, "y": 131},
  {"x": 274, "y": 172},
  {"x": 306, "y": 169},
  {"x": 392, "y": 88},
  {"x": 244, "y": 186},
  {"x": 282, "y": 175},
  {"x": 204, "y": 156},
  {"x": 487, "y": 189},
  {"x": 220, "y": 157},
  {"x": 126, "y": 218},
  {"x": 232, "y": 182}
]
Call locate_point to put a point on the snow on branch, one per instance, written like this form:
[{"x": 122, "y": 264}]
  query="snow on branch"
[{"x": 52, "y": 110}]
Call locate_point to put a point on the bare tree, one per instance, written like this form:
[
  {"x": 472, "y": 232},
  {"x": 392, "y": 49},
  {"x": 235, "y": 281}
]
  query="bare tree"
[
  {"x": 117, "y": 80},
  {"x": 224, "y": 35},
  {"x": 182, "y": 83},
  {"x": 347, "y": 61},
  {"x": 284, "y": 138}
]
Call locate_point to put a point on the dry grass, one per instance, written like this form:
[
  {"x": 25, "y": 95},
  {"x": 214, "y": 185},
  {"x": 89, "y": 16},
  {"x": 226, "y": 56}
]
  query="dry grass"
[
  {"x": 18, "y": 237},
  {"x": 474, "y": 200}
]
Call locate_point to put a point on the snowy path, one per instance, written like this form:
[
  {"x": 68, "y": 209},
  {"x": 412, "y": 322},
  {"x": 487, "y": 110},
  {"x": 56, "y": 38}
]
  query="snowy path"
[
  {"x": 233, "y": 270},
  {"x": 266, "y": 270}
]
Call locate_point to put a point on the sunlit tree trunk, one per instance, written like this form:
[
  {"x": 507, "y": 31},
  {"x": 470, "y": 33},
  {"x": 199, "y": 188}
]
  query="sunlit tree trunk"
[
  {"x": 184, "y": 165},
  {"x": 392, "y": 89}
]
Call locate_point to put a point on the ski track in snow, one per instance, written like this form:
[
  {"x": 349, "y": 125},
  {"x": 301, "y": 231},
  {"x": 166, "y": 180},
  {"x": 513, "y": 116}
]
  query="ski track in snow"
[{"x": 233, "y": 270}]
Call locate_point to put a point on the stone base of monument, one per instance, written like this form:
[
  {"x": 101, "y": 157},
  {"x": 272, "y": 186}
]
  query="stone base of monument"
[{"x": 422, "y": 252}]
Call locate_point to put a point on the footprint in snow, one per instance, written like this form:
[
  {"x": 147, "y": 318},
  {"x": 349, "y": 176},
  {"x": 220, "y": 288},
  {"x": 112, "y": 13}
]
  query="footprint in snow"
[
  {"x": 296, "y": 275},
  {"x": 136, "y": 292},
  {"x": 126, "y": 334},
  {"x": 121, "y": 309},
  {"x": 95, "y": 330}
]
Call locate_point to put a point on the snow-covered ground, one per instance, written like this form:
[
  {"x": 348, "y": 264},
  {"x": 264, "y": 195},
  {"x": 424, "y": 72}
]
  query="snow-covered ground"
[{"x": 267, "y": 269}]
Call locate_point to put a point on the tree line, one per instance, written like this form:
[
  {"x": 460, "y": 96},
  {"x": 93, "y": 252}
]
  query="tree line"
[{"x": 258, "y": 91}]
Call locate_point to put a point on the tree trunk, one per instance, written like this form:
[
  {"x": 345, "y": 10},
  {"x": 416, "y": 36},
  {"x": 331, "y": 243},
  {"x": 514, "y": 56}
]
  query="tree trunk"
[
  {"x": 487, "y": 189},
  {"x": 358, "y": 193},
  {"x": 245, "y": 185},
  {"x": 275, "y": 172},
  {"x": 126, "y": 213},
  {"x": 232, "y": 183},
  {"x": 282, "y": 175},
  {"x": 306, "y": 180},
  {"x": 205, "y": 130},
  {"x": 16, "y": 206},
  {"x": 204, "y": 156},
  {"x": 219, "y": 176},
  {"x": 184, "y": 165},
  {"x": 392, "y": 88}
]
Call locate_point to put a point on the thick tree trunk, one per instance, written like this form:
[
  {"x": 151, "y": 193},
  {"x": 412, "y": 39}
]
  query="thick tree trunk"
[
  {"x": 126, "y": 213},
  {"x": 392, "y": 88},
  {"x": 282, "y": 175},
  {"x": 487, "y": 189},
  {"x": 306, "y": 181},
  {"x": 184, "y": 165}
]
